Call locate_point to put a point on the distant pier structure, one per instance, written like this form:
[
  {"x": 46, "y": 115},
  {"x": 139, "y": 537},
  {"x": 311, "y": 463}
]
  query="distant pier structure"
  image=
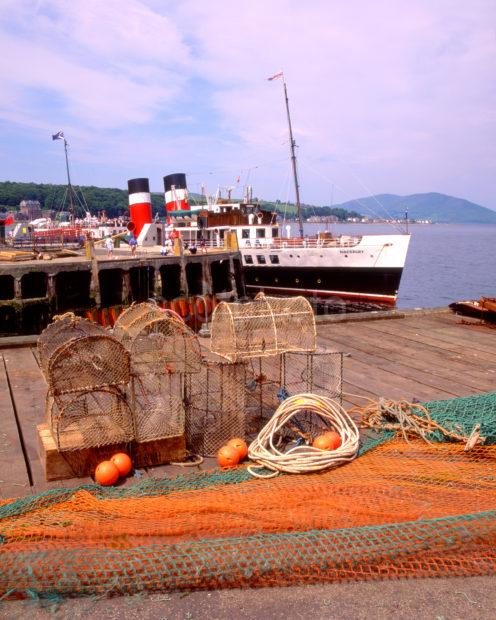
[{"x": 32, "y": 292}]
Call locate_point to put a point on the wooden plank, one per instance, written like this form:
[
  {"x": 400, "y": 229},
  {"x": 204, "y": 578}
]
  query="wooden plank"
[
  {"x": 158, "y": 451},
  {"x": 454, "y": 367},
  {"x": 412, "y": 333},
  {"x": 476, "y": 337},
  {"x": 388, "y": 384},
  {"x": 467, "y": 336},
  {"x": 437, "y": 368},
  {"x": 80, "y": 463},
  {"x": 477, "y": 371},
  {"x": 403, "y": 370},
  {"x": 14, "y": 479}
]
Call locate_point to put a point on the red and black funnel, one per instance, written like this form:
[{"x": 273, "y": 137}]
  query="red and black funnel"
[
  {"x": 176, "y": 192},
  {"x": 140, "y": 205}
]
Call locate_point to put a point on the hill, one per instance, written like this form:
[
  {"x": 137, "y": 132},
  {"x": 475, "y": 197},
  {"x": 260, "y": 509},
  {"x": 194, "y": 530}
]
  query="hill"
[{"x": 438, "y": 208}]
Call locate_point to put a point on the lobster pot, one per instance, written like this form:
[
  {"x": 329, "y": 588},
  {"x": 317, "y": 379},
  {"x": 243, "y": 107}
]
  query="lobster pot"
[
  {"x": 270, "y": 380},
  {"x": 157, "y": 405},
  {"x": 89, "y": 419},
  {"x": 157, "y": 341},
  {"x": 86, "y": 370},
  {"x": 264, "y": 377},
  {"x": 60, "y": 332},
  {"x": 264, "y": 327},
  {"x": 317, "y": 372},
  {"x": 215, "y": 405},
  {"x": 134, "y": 315}
]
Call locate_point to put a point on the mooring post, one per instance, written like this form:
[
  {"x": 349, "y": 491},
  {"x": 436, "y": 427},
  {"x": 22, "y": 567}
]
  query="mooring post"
[
  {"x": 157, "y": 288},
  {"x": 17, "y": 288},
  {"x": 95, "y": 282},
  {"x": 51, "y": 290},
  {"x": 232, "y": 278},
  {"x": 126, "y": 287}
]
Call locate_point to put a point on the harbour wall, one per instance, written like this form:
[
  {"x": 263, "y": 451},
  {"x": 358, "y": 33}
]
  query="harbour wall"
[{"x": 32, "y": 292}]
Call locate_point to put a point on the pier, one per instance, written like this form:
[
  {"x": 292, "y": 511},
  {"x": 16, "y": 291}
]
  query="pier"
[
  {"x": 416, "y": 354},
  {"x": 33, "y": 291}
]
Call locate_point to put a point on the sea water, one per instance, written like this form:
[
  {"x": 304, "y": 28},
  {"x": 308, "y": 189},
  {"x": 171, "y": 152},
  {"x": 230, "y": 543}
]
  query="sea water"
[{"x": 445, "y": 262}]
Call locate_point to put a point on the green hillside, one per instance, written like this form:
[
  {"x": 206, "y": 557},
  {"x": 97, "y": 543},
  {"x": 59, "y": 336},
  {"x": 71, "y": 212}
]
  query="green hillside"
[
  {"x": 115, "y": 201},
  {"x": 438, "y": 208}
]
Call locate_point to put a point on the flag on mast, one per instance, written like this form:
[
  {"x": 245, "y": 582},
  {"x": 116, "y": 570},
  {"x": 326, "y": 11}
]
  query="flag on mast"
[
  {"x": 58, "y": 136},
  {"x": 276, "y": 76}
]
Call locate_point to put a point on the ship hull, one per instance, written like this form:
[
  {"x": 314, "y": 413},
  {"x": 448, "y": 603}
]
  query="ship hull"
[
  {"x": 366, "y": 268},
  {"x": 379, "y": 285}
]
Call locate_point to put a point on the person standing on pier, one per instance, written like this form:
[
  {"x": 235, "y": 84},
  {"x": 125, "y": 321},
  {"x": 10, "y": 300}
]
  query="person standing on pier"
[
  {"x": 133, "y": 245},
  {"x": 109, "y": 244}
]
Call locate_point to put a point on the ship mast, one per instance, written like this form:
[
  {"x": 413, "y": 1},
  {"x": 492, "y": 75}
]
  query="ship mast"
[
  {"x": 69, "y": 185},
  {"x": 293, "y": 159},
  {"x": 60, "y": 136}
]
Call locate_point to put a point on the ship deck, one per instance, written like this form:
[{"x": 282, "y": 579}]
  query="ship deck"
[{"x": 426, "y": 355}]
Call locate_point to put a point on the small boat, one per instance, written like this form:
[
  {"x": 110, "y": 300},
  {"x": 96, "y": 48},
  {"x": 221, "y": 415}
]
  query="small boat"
[{"x": 484, "y": 308}]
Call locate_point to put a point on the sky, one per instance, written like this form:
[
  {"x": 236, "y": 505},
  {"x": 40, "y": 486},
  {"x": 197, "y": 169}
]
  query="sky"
[{"x": 390, "y": 96}]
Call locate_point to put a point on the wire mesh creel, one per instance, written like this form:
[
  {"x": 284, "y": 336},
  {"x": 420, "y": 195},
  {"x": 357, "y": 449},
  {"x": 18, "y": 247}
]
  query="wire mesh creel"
[
  {"x": 68, "y": 327},
  {"x": 162, "y": 350},
  {"x": 265, "y": 326},
  {"x": 271, "y": 379},
  {"x": 85, "y": 369},
  {"x": 157, "y": 341},
  {"x": 215, "y": 402}
]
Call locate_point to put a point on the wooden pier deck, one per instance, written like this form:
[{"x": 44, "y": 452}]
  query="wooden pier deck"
[{"x": 424, "y": 355}]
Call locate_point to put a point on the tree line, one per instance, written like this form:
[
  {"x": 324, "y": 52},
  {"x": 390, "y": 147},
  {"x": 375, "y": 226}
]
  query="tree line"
[{"x": 115, "y": 201}]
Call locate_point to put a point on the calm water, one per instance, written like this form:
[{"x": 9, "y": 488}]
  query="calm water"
[{"x": 445, "y": 262}]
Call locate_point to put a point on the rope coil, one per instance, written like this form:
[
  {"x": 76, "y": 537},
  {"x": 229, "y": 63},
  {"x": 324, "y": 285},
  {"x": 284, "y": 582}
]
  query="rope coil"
[
  {"x": 303, "y": 458},
  {"x": 411, "y": 419}
]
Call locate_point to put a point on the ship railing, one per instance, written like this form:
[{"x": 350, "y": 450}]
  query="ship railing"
[
  {"x": 208, "y": 245},
  {"x": 296, "y": 242}
]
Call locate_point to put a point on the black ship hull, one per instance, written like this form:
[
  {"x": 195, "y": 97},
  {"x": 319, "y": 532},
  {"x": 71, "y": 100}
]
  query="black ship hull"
[{"x": 372, "y": 284}]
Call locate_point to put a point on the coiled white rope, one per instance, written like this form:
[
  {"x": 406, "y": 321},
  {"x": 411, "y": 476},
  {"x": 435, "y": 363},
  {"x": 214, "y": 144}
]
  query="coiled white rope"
[{"x": 303, "y": 459}]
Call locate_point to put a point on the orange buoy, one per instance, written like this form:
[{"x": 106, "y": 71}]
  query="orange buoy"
[
  {"x": 106, "y": 473},
  {"x": 103, "y": 317},
  {"x": 183, "y": 307},
  {"x": 200, "y": 308},
  {"x": 336, "y": 439},
  {"x": 240, "y": 446},
  {"x": 92, "y": 315},
  {"x": 112, "y": 314},
  {"x": 327, "y": 441},
  {"x": 227, "y": 456},
  {"x": 123, "y": 463}
]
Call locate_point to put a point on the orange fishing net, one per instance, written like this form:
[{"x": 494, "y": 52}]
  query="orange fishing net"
[{"x": 401, "y": 509}]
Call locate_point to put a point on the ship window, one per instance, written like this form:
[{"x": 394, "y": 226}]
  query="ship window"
[
  {"x": 260, "y": 233},
  {"x": 275, "y": 232},
  {"x": 274, "y": 259},
  {"x": 261, "y": 259},
  {"x": 249, "y": 259},
  {"x": 245, "y": 233}
]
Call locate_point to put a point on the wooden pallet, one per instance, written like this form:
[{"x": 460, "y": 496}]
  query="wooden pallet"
[
  {"x": 80, "y": 463},
  {"x": 16, "y": 255}
]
